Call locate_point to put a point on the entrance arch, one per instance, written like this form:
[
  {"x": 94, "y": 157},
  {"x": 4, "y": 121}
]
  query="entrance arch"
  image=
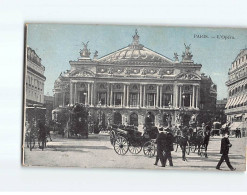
[
  {"x": 150, "y": 119},
  {"x": 117, "y": 118},
  {"x": 134, "y": 119}
]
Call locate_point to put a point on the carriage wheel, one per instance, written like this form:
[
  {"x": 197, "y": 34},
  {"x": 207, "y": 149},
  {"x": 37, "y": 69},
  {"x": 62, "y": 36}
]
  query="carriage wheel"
[
  {"x": 135, "y": 148},
  {"x": 121, "y": 146},
  {"x": 149, "y": 149}
]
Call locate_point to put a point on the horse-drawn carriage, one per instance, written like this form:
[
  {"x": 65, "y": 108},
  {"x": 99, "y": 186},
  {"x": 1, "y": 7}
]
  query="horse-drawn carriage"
[
  {"x": 71, "y": 121},
  {"x": 35, "y": 126},
  {"x": 128, "y": 138},
  {"x": 192, "y": 139}
]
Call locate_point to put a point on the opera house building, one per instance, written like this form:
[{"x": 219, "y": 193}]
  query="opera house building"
[{"x": 127, "y": 85}]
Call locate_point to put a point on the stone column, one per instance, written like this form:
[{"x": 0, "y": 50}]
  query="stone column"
[
  {"x": 180, "y": 96},
  {"x": 175, "y": 96},
  {"x": 140, "y": 103},
  {"x": 193, "y": 97},
  {"x": 108, "y": 94},
  {"x": 88, "y": 93},
  {"x": 155, "y": 100},
  {"x": 144, "y": 95},
  {"x": 111, "y": 91},
  {"x": 124, "y": 95},
  {"x": 63, "y": 94},
  {"x": 171, "y": 102},
  {"x": 191, "y": 100},
  {"x": 138, "y": 100},
  {"x": 75, "y": 96},
  {"x": 128, "y": 93},
  {"x": 161, "y": 88},
  {"x": 92, "y": 94},
  {"x": 71, "y": 93},
  {"x": 157, "y": 96},
  {"x": 197, "y": 96}
]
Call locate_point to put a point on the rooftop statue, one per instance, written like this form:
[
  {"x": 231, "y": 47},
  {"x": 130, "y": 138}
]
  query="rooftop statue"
[
  {"x": 176, "y": 57},
  {"x": 85, "y": 52},
  {"x": 95, "y": 54},
  {"x": 187, "y": 56}
]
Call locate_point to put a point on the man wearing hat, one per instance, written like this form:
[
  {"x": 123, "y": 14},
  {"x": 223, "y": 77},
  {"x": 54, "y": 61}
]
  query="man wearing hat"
[
  {"x": 224, "y": 150},
  {"x": 168, "y": 146},
  {"x": 161, "y": 138}
]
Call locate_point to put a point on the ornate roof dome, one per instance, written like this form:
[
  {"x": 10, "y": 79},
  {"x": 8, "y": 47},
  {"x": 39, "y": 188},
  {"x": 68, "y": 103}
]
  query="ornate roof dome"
[{"x": 135, "y": 52}]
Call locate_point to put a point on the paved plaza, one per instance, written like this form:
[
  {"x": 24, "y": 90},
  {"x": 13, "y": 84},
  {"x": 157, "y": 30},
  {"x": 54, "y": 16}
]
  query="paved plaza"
[{"x": 96, "y": 151}]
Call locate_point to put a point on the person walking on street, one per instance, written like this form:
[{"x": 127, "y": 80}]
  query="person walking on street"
[
  {"x": 161, "y": 138},
  {"x": 168, "y": 147},
  {"x": 224, "y": 150}
]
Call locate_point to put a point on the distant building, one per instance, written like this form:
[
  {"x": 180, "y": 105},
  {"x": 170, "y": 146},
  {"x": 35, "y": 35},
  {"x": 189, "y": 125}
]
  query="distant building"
[
  {"x": 34, "y": 78},
  {"x": 208, "y": 97},
  {"x": 236, "y": 107},
  {"x": 208, "y": 94},
  {"x": 49, "y": 105},
  {"x": 220, "y": 105},
  {"x": 220, "y": 111}
]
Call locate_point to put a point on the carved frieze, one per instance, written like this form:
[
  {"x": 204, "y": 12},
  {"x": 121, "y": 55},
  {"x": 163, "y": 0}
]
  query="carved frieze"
[
  {"x": 152, "y": 71},
  {"x": 82, "y": 73},
  {"x": 188, "y": 76},
  {"x": 135, "y": 71},
  {"x": 101, "y": 69},
  {"x": 166, "y": 71}
]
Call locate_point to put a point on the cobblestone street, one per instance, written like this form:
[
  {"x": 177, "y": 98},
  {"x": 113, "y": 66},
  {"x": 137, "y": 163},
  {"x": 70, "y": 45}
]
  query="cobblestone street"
[{"x": 96, "y": 151}]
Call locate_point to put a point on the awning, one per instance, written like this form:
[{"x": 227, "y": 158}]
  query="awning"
[
  {"x": 238, "y": 115},
  {"x": 239, "y": 100},
  {"x": 235, "y": 125},
  {"x": 243, "y": 125},
  {"x": 245, "y": 116},
  {"x": 243, "y": 98},
  {"x": 233, "y": 101},
  {"x": 228, "y": 102}
]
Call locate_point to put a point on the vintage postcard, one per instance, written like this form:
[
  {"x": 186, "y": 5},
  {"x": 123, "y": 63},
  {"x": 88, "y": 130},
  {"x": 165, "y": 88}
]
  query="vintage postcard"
[{"x": 142, "y": 97}]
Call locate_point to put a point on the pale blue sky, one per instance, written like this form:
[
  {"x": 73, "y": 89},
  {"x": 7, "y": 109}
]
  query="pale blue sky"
[{"x": 57, "y": 44}]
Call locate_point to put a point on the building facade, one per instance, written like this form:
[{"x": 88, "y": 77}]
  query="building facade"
[
  {"x": 126, "y": 86},
  {"x": 220, "y": 111},
  {"x": 34, "y": 78},
  {"x": 208, "y": 94},
  {"x": 236, "y": 107},
  {"x": 208, "y": 97},
  {"x": 49, "y": 105}
]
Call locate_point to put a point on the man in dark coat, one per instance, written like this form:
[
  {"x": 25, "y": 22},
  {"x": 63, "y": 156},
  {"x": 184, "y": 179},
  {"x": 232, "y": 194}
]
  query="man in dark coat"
[
  {"x": 224, "y": 150},
  {"x": 161, "y": 138},
  {"x": 41, "y": 134},
  {"x": 168, "y": 147},
  {"x": 183, "y": 142}
]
